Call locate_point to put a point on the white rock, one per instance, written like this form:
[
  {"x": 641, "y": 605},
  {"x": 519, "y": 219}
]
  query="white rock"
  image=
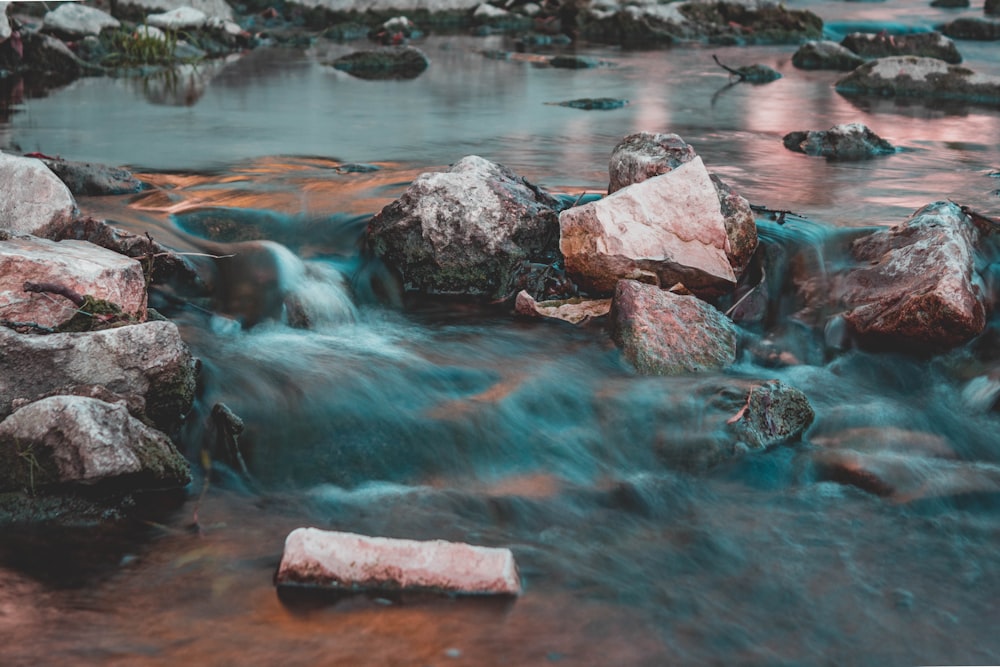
[
  {"x": 31, "y": 197},
  {"x": 5, "y": 30},
  {"x": 218, "y": 8},
  {"x": 488, "y": 11},
  {"x": 665, "y": 230},
  {"x": 77, "y": 265},
  {"x": 182, "y": 18},
  {"x": 151, "y": 32},
  {"x": 349, "y": 561},
  {"x": 78, "y": 19},
  {"x": 221, "y": 25}
]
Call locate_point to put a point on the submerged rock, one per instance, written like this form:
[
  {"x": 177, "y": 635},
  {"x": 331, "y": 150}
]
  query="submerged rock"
[
  {"x": 909, "y": 76},
  {"x": 402, "y": 62},
  {"x": 826, "y": 55},
  {"x": 90, "y": 179},
  {"x": 574, "y": 311},
  {"x": 663, "y": 230},
  {"x": 918, "y": 282},
  {"x": 77, "y": 440},
  {"x": 32, "y": 198},
  {"x": 773, "y": 413},
  {"x": 973, "y": 28},
  {"x": 851, "y": 141},
  {"x": 74, "y": 20},
  {"x": 468, "y": 230},
  {"x": 78, "y": 267},
  {"x": 594, "y": 103},
  {"x": 921, "y": 44},
  {"x": 573, "y": 62},
  {"x": 148, "y": 361},
  {"x": 662, "y": 333},
  {"x": 349, "y": 562}
]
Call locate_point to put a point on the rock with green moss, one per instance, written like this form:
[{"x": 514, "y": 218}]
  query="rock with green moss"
[{"x": 928, "y": 78}]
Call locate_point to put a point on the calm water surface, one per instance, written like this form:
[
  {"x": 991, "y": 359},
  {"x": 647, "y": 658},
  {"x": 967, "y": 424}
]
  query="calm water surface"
[{"x": 416, "y": 418}]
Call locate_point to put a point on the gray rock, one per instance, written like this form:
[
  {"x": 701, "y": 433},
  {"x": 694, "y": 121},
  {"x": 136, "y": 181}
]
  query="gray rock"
[
  {"x": 182, "y": 18},
  {"x": 826, "y": 55},
  {"x": 917, "y": 281},
  {"x": 5, "y": 29},
  {"x": 851, "y": 141},
  {"x": 972, "y": 28},
  {"x": 76, "y": 440},
  {"x": 393, "y": 62},
  {"x": 49, "y": 57},
  {"x": 643, "y": 155},
  {"x": 90, "y": 179},
  {"x": 80, "y": 267},
  {"x": 136, "y": 10},
  {"x": 909, "y": 76},
  {"x": 147, "y": 360},
  {"x": 468, "y": 230},
  {"x": 921, "y": 44},
  {"x": 76, "y": 20},
  {"x": 663, "y": 230},
  {"x": 773, "y": 413},
  {"x": 662, "y": 333},
  {"x": 32, "y": 198}
]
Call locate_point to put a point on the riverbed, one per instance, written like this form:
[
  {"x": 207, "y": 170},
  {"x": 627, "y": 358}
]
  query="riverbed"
[{"x": 427, "y": 418}]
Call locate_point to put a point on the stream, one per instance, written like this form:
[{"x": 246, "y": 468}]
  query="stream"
[{"x": 414, "y": 417}]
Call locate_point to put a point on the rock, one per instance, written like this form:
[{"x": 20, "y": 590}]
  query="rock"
[
  {"x": 32, "y": 198},
  {"x": 150, "y": 32},
  {"x": 350, "y": 562},
  {"x": 663, "y": 230},
  {"x": 5, "y": 29},
  {"x": 826, "y": 55},
  {"x": 46, "y": 56},
  {"x": 574, "y": 311},
  {"x": 851, "y": 141},
  {"x": 921, "y": 44},
  {"x": 182, "y": 18},
  {"x": 972, "y": 28},
  {"x": 573, "y": 62},
  {"x": 991, "y": 7},
  {"x": 396, "y": 62},
  {"x": 149, "y": 361},
  {"x": 81, "y": 267},
  {"x": 78, "y": 440},
  {"x": 662, "y": 333},
  {"x": 88, "y": 178},
  {"x": 594, "y": 103},
  {"x": 917, "y": 283},
  {"x": 137, "y": 10},
  {"x": 74, "y": 20},
  {"x": 951, "y": 4},
  {"x": 468, "y": 230},
  {"x": 909, "y": 76},
  {"x": 643, "y": 155},
  {"x": 774, "y": 413}
]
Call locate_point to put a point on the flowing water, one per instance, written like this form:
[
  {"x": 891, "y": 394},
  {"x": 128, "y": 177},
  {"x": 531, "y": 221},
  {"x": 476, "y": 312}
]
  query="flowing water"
[{"x": 420, "y": 418}]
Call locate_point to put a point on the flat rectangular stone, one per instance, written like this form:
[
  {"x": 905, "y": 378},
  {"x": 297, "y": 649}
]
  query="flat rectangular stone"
[{"x": 354, "y": 562}]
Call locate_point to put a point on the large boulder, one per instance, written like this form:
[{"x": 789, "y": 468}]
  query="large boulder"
[
  {"x": 77, "y": 440},
  {"x": 909, "y": 76},
  {"x": 826, "y": 55},
  {"x": 74, "y": 267},
  {"x": 642, "y": 155},
  {"x": 662, "y": 333},
  {"x": 850, "y": 141},
  {"x": 350, "y": 562},
  {"x": 922, "y": 44},
  {"x": 663, "y": 230},
  {"x": 469, "y": 230},
  {"x": 917, "y": 282},
  {"x": 74, "y": 20},
  {"x": 32, "y": 198},
  {"x": 147, "y": 362},
  {"x": 972, "y": 28}
]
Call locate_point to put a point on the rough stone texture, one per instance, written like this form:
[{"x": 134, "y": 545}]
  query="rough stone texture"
[
  {"x": 138, "y": 9},
  {"x": 82, "y": 267},
  {"x": 973, "y": 28},
  {"x": 73, "y": 439},
  {"x": 351, "y": 562},
  {"x": 642, "y": 155},
  {"x": 147, "y": 360},
  {"x": 663, "y": 230},
  {"x": 921, "y": 44},
  {"x": 392, "y": 62},
  {"x": 574, "y": 311},
  {"x": 89, "y": 179},
  {"x": 909, "y": 76},
  {"x": 918, "y": 282},
  {"x": 76, "y": 20},
  {"x": 851, "y": 141},
  {"x": 774, "y": 413},
  {"x": 32, "y": 198},
  {"x": 826, "y": 55},
  {"x": 45, "y": 56},
  {"x": 662, "y": 333},
  {"x": 468, "y": 230},
  {"x": 182, "y": 18}
]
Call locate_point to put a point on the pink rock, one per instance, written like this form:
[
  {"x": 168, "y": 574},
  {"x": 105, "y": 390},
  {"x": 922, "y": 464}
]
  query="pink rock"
[
  {"x": 349, "y": 561},
  {"x": 32, "y": 198},
  {"x": 664, "y": 230},
  {"x": 80, "y": 266}
]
